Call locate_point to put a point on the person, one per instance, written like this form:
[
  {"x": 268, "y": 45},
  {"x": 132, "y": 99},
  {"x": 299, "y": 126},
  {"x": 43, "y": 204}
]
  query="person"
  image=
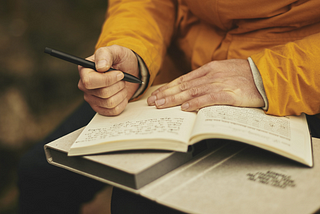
[{"x": 243, "y": 53}]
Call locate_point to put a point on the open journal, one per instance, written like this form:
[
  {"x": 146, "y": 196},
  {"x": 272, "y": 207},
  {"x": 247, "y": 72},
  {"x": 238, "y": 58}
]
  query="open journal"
[
  {"x": 143, "y": 127},
  {"x": 223, "y": 177}
]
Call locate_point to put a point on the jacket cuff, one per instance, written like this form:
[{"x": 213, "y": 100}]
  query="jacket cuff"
[
  {"x": 258, "y": 82},
  {"x": 144, "y": 74}
]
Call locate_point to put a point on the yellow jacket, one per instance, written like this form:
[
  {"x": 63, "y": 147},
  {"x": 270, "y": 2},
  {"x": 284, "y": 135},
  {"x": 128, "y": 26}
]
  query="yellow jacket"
[{"x": 281, "y": 36}]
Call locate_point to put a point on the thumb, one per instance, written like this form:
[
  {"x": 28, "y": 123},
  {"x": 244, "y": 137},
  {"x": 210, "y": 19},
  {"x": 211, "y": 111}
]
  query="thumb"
[{"x": 103, "y": 59}]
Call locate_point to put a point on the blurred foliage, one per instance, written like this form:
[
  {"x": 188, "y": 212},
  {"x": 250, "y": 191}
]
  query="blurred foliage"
[
  {"x": 27, "y": 27},
  {"x": 36, "y": 90}
]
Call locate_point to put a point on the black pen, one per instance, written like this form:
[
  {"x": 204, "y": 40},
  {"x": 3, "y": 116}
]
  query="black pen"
[{"x": 87, "y": 64}]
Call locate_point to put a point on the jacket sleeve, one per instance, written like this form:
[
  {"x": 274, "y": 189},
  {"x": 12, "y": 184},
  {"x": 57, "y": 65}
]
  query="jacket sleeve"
[
  {"x": 290, "y": 75},
  {"x": 144, "y": 26}
]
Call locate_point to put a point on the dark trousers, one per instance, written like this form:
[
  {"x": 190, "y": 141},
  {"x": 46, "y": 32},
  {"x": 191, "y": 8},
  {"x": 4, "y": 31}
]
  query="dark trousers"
[{"x": 45, "y": 188}]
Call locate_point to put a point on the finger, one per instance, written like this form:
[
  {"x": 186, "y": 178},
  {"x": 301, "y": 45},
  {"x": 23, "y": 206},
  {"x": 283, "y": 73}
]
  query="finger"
[
  {"x": 198, "y": 73},
  {"x": 187, "y": 85},
  {"x": 193, "y": 92},
  {"x": 179, "y": 98},
  {"x": 92, "y": 80},
  {"x": 168, "y": 85},
  {"x": 105, "y": 92},
  {"x": 161, "y": 94},
  {"x": 109, "y": 103},
  {"x": 220, "y": 98},
  {"x": 111, "y": 111}
]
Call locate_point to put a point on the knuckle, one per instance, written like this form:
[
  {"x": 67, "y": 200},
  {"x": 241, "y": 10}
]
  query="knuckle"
[
  {"x": 171, "y": 99},
  {"x": 218, "y": 76},
  {"x": 181, "y": 79},
  {"x": 119, "y": 108},
  {"x": 212, "y": 97},
  {"x": 109, "y": 79},
  {"x": 102, "y": 51},
  {"x": 194, "y": 104},
  {"x": 99, "y": 93},
  {"x": 209, "y": 66},
  {"x": 232, "y": 100},
  {"x": 194, "y": 92},
  {"x": 86, "y": 81},
  {"x": 110, "y": 103},
  {"x": 184, "y": 86},
  {"x": 103, "y": 93},
  {"x": 98, "y": 101},
  {"x": 213, "y": 64}
]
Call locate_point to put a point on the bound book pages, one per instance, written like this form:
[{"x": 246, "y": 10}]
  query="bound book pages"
[
  {"x": 132, "y": 169},
  {"x": 227, "y": 177},
  {"x": 143, "y": 127}
]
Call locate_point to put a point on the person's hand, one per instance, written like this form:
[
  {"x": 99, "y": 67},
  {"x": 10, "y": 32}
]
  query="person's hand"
[
  {"x": 226, "y": 82},
  {"x": 104, "y": 91}
]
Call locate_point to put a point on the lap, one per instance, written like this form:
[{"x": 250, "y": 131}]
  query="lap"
[{"x": 48, "y": 189}]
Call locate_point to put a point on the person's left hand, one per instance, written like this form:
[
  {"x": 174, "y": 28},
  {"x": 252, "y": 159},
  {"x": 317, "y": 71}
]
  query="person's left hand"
[{"x": 226, "y": 82}]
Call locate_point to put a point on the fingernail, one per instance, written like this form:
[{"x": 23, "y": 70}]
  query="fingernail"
[
  {"x": 120, "y": 76},
  {"x": 160, "y": 102},
  {"x": 101, "y": 64},
  {"x": 185, "y": 106},
  {"x": 152, "y": 99}
]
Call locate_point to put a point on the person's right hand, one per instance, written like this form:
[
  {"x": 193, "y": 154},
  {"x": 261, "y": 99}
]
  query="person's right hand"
[{"x": 104, "y": 91}]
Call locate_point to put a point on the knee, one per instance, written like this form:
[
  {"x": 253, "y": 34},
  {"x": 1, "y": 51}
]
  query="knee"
[{"x": 33, "y": 166}]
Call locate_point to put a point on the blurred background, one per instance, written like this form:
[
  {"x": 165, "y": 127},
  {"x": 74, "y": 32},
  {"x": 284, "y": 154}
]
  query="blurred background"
[{"x": 38, "y": 91}]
